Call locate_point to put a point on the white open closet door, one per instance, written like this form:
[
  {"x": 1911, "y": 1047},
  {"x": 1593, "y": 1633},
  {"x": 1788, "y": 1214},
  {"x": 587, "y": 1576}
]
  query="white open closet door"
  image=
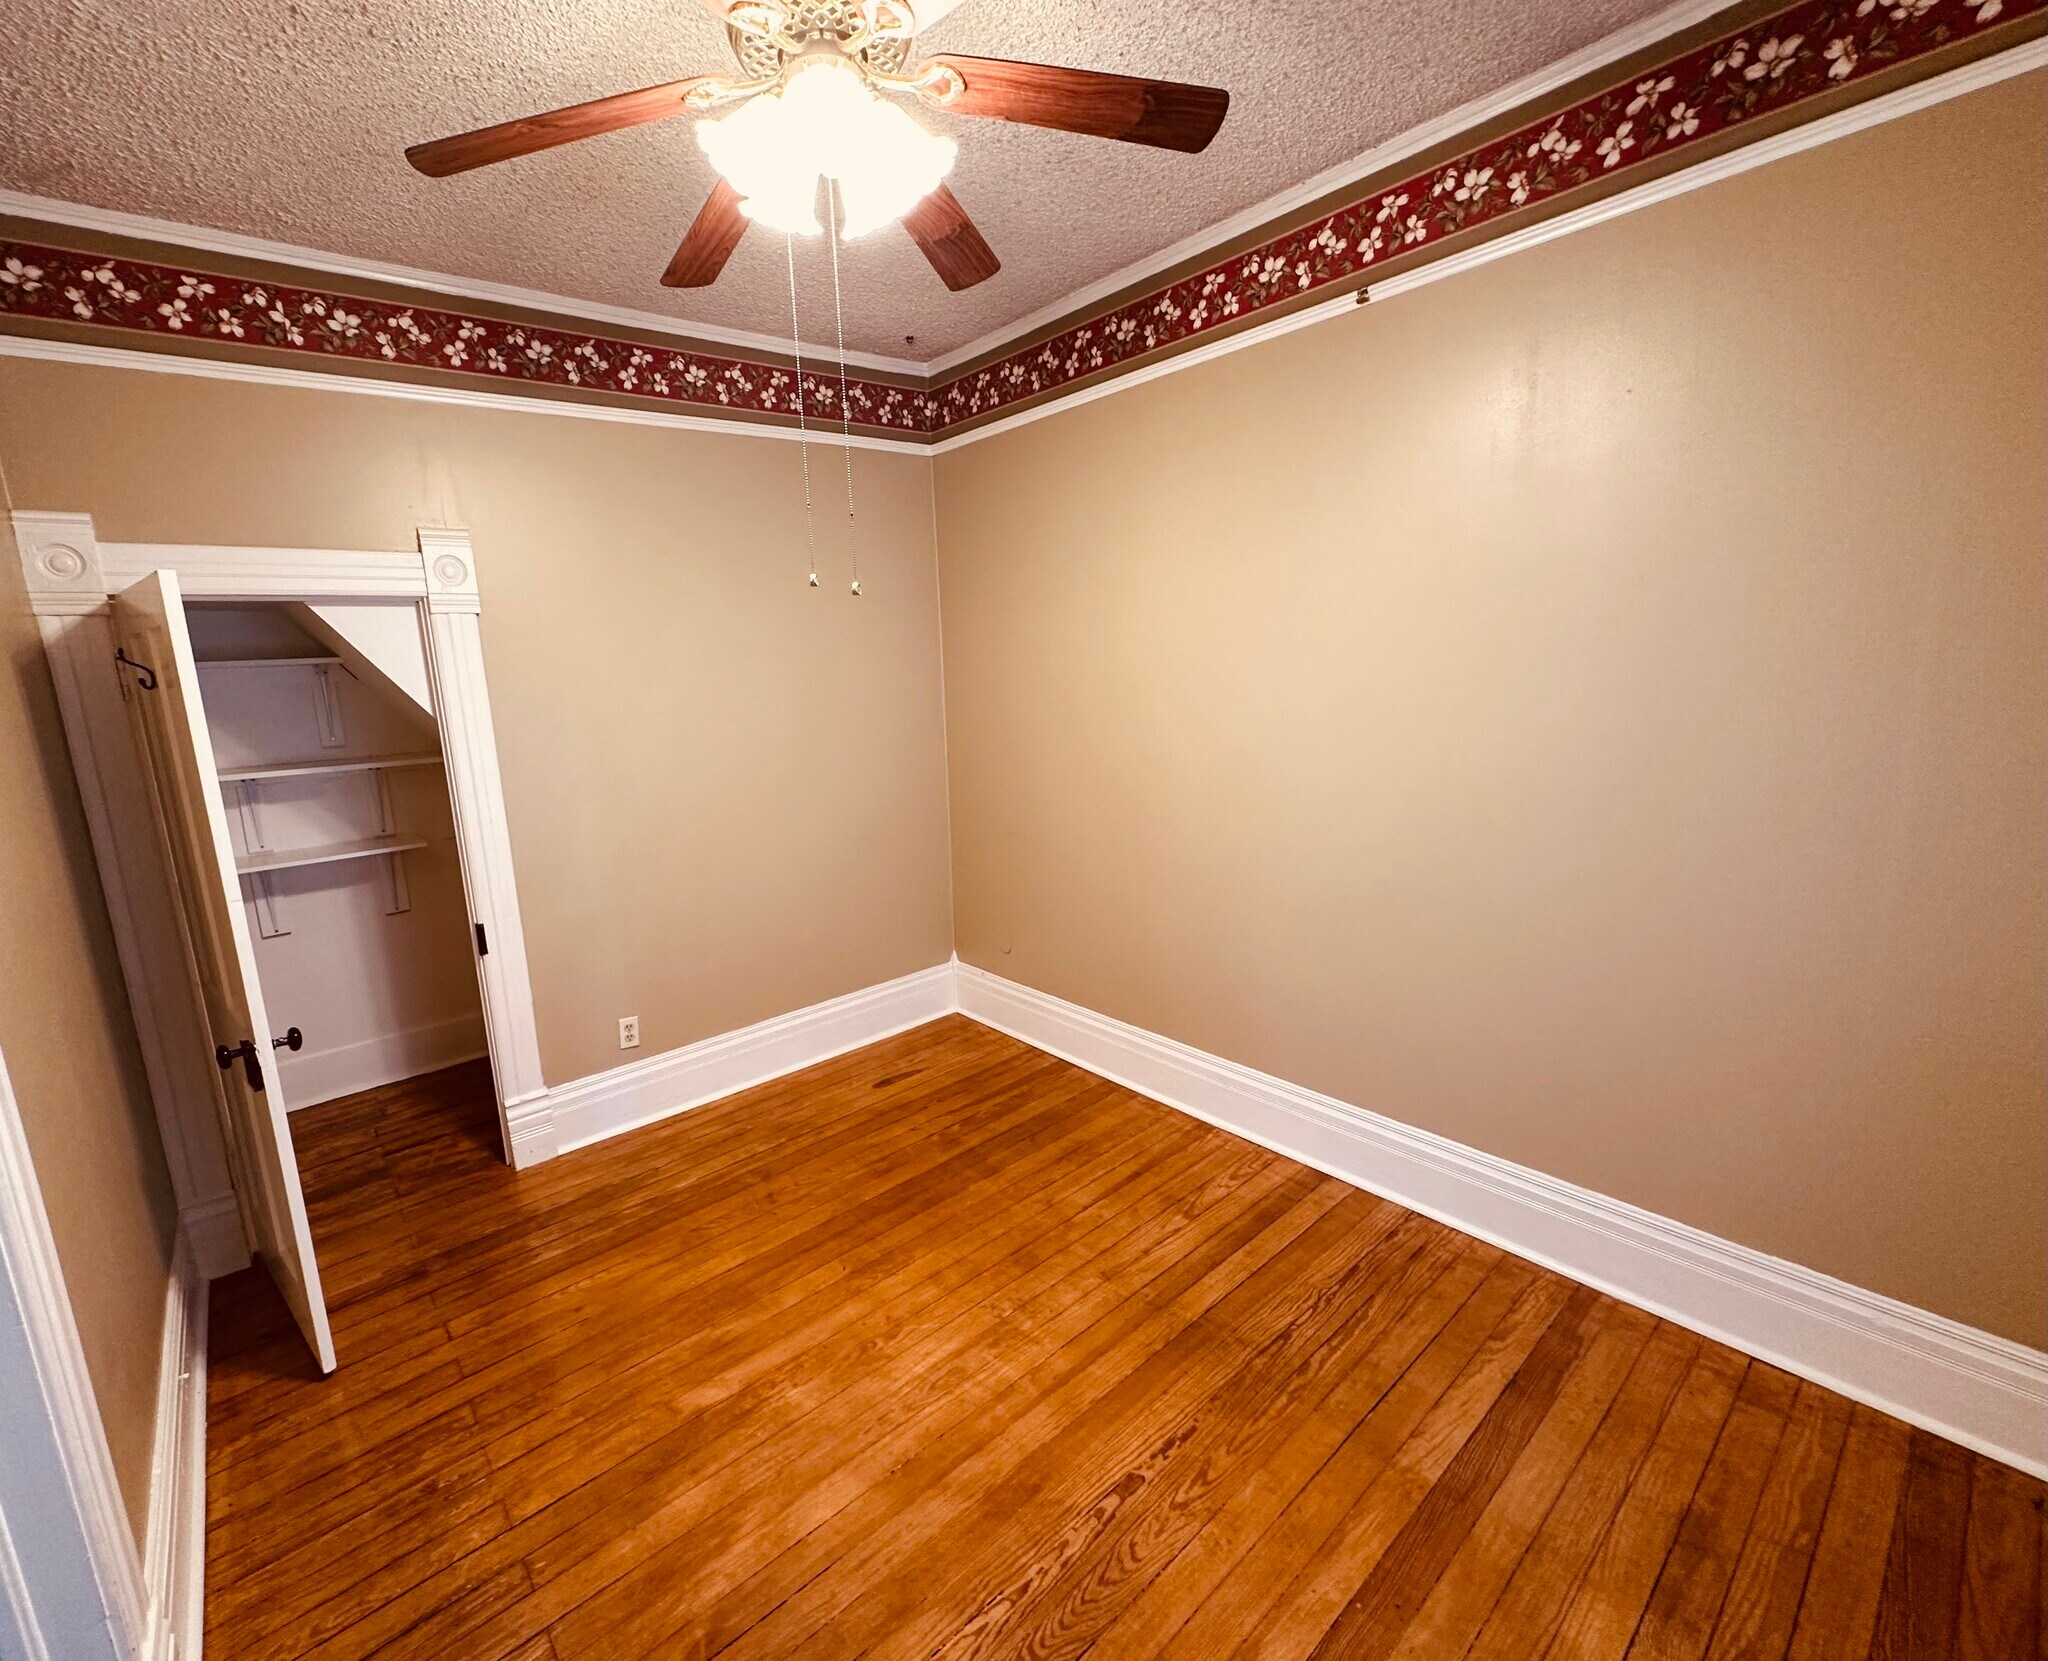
[{"x": 177, "y": 752}]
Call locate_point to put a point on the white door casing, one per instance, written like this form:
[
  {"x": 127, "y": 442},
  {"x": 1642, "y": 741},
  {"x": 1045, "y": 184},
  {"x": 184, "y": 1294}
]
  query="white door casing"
[{"x": 71, "y": 576}]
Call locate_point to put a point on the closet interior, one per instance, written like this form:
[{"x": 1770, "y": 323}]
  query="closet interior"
[{"x": 330, "y": 768}]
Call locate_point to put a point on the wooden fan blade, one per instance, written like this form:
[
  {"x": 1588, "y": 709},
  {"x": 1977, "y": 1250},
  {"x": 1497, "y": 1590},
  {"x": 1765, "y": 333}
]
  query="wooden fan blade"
[
  {"x": 1169, "y": 114},
  {"x": 940, "y": 227},
  {"x": 712, "y": 237},
  {"x": 443, "y": 156}
]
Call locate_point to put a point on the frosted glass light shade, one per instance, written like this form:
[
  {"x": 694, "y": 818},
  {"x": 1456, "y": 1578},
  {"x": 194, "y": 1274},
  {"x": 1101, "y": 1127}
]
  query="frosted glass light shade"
[{"x": 825, "y": 121}]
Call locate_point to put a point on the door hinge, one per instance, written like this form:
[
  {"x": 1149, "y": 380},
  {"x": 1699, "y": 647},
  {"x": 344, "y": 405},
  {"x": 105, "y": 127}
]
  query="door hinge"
[{"x": 483, "y": 944}]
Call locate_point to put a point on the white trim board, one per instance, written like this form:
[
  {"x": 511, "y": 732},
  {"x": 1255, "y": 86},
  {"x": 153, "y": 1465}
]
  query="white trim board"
[
  {"x": 70, "y": 1575},
  {"x": 1969, "y": 1386},
  {"x": 320, "y": 380},
  {"x": 314, "y": 1076},
  {"x": 686, "y": 334},
  {"x": 1936, "y": 89},
  {"x": 213, "y": 1235},
  {"x": 174, "y": 1547},
  {"x": 609, "y": 1104}
]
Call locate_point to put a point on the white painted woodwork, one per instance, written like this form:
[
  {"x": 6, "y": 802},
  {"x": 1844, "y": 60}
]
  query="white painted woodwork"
[
  {"x": 308, "y": 769},
  {"x": 329, "y": 853},
  {"x": 70, "y": 1576},
  {"x": 69, "y": 575},
  {"x": 380, "y": 643},
  {"x": 67, "y": 586},
  {"x": 220, "y": 958}
]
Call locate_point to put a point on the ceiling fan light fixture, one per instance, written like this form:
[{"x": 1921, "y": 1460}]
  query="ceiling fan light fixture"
[{"x": 825, "y": 120}]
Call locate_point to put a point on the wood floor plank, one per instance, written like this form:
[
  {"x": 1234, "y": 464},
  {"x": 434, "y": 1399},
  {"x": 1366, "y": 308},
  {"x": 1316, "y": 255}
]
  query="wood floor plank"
[
  {"x": 1763, "y": 1598},
  {"x": 1678, "y": 1623},
  {"x": 1164, "y": 1604},
  {"x": 1525, "y": 1617},
  {"x": 1409, "y": 1569},
  {"x": 1838, "y": 1608},
  {"x": 1060, "y": 1604},
  {"x": 2002, "y": 1567},
  {"x": 1238, "y": 1602},
  {"x": 945, "y": 1348},
  {"x": 1607, "y": 1606},
  {"x": 1464, "y": 1592},
  {"x": 1178, "y": 1250},
  {"x": 1296, "y": 1625},
  {"x": 1923, "y": 1578}
]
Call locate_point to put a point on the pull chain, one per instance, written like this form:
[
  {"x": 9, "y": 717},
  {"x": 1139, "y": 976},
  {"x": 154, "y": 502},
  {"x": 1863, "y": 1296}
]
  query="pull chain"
[
  {"x": 845, "y": 412},
  {"x": 803, "y": 444}
]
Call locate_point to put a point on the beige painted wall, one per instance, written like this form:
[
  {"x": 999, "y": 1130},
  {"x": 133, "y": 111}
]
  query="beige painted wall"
[
  {"x": 726, "y": 790},
  {"x": 1593, "y": 707},
  {"x": 71, "y": 1053}
]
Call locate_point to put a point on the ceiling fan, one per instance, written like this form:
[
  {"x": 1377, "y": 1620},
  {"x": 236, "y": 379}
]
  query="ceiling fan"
[{"x": 813, "y": 98}]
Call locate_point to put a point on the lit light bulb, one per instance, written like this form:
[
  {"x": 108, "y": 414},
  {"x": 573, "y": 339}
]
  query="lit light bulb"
[{"x": 825, "y": 120}]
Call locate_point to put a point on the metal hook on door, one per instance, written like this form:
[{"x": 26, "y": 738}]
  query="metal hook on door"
[{"x": 145, "y": 677}]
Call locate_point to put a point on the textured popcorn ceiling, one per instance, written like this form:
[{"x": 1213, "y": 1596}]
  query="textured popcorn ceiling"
[{"x": 287, "y": 119}]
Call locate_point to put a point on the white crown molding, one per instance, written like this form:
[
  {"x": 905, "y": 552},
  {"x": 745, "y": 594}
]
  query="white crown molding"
[
  {"x": 1608, "y": 49},
  {"x": 317, "y": 380},
  {"x": 1909, "y": 100},
  {"x": 174, "y": 1546},
  {"x": 608, "y": 1104},
  {"x": 56, "y": 211},
  {"x": 1982, "y": 1391}
]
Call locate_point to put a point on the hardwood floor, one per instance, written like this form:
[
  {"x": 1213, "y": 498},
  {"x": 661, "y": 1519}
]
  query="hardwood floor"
[{"x": 946, "y": 1348}]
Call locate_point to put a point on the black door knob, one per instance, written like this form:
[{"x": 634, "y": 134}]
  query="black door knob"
[{"x": 252, "y": 1063}]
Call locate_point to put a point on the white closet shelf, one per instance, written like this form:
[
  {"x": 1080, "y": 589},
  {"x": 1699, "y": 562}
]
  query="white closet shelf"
[
  {"x": 262, "y": 662},
  {"x": 285, "y": 859},
  {"x": 305, "y": 769}
]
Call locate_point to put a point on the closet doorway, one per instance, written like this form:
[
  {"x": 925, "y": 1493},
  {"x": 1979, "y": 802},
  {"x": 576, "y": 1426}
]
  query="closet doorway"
[{"x": 290, "y": 775}]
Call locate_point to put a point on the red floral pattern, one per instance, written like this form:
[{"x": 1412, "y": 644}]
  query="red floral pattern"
[
  {"x": 62, "y": 285},
  {"x": 1801, "y": 52},
  {"x": 1794, "y": 56}
]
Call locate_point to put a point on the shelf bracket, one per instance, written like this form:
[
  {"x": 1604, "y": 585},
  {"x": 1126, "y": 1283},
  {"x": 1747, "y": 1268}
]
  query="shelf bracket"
[
  {"x": 397, "y": 897},
  {"x": 327, "y": 707},
  {"x": 262, "y": 899}
]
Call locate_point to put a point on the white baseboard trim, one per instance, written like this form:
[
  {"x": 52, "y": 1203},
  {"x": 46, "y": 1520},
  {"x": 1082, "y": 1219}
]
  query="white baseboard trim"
[
  {"x": 213, "y": 1235},
  {"x": 606, "y": 1104},
  {"x": 174, "y": 1548},
  {"x": 311, "y": 1077},
  {"x": 1976, "y": 1389}
]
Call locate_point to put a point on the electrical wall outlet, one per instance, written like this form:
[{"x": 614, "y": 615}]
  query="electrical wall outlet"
[{"x": 629, "y": 1032}]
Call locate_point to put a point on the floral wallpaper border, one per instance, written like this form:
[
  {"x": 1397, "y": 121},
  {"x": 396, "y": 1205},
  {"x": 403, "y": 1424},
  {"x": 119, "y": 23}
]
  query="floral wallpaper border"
[
  {"x": 1772, "y": 66},
  {"x": 186, "y": 302}
]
